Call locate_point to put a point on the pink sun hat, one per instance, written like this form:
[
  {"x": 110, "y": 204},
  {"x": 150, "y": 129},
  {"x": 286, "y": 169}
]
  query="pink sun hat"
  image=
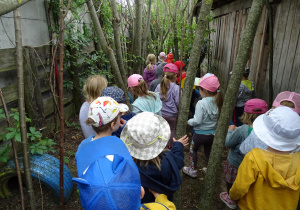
[
  {"x": 134, "y": 80},
  {"x": 209, "y": 82},
  {"x": 288, "y": 96},
  {"x": 170, "y": 67}
]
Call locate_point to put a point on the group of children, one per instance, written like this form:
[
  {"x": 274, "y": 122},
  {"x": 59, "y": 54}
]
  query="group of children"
[{"x": 131, "y": 160}]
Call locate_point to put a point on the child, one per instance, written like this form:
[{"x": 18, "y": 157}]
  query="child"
[
  {"x": 108, "y": 177},
  {"x": 118, "y": 95},
  {"x": 169, "y": 95},
  {"x": 92, "y": 88},
  {"x": 161, "y": 58},
  {"x": 149, "y": 71},
  {"x": 158, "y": 74},
  {"x": 253, "y": 108},
  {"x": 170, "y": 58},
  {"x": 286, "y": 98},
  {"x": 146, "y": 135},
  {"x": 104, "y": 116},
  {"x": 246, "y": 92},
  {"x": 269, "y": 179},
  {"x": 205, "y": 120},
  {"x": 147, "y": 100}
]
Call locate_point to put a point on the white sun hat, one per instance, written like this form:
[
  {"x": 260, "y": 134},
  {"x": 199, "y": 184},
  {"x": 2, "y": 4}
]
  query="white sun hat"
[
  {"x": 104, "y": 109},
  {"x": 279, "y": 128},
  {"x": 146, "y": 135}
]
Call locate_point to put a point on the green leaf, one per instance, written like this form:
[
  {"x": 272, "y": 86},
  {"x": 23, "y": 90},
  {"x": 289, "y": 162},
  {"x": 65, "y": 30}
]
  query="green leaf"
[
  {"x": 18, "y": 137},
  {"x": 10, "y": 135},
  {"x": 39, "y": 151},
  {"x": 66, "y": 160},
  {"x": 11, "y": 129},
  {"x": 32, "y": 129}
]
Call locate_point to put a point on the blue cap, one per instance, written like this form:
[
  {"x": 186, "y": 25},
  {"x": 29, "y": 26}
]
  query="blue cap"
[
  {"x": 108, "y": 177},
  {"x": 114, "y": 92}
]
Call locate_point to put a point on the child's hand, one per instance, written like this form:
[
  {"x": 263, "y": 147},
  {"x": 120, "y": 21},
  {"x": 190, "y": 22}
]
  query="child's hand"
[
  {"x": 122, "y": 122},
  {"x": 183, "y": 140},
  {"x": 232, "y": 127},
  {"x": 154, "y": 193}
]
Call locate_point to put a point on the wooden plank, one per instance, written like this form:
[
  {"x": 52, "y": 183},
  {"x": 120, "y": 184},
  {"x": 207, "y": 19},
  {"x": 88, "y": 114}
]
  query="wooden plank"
[
  {"x": 8, "y": 59},
  {"x": 226, "y": 57},
  {"x": 279, "y": 44},
  {"x": 290, "y": 74},
  {"x": 232, "y": 7}
]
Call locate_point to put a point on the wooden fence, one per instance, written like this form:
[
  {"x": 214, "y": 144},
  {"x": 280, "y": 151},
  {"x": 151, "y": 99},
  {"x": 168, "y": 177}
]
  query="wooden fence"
[
  {"x": 230, "y": 23},
  {"x": 38, "y": 98}
]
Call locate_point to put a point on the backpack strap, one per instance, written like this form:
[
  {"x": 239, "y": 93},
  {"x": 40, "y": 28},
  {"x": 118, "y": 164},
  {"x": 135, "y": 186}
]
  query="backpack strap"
[{"x": 145, "y": 207}]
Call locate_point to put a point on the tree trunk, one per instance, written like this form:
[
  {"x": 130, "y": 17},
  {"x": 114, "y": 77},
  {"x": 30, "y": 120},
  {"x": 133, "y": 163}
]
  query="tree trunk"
[
  {"x": 192, "y": 69},
  {"x": 271, "y": 51},
  {"x": 146, "y": 31},
  {"x": 116, "y": 27},
  {"x": 229, "y": 103},
  {"x": 107, "y": 49},
  {"x": 137, "y": 37},
  {"x": 15, "y": 153},
  {"x": 176, "y": 54},
  {"x": 21, "y": 106},
  {"x": 7, "y": 6}
]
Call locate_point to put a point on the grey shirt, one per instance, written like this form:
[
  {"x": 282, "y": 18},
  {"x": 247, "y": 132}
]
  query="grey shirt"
[{"x": 87, "y": 130}]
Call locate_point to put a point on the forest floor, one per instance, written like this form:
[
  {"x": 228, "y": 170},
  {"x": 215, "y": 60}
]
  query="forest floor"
[{"x": 190, "y": 189}]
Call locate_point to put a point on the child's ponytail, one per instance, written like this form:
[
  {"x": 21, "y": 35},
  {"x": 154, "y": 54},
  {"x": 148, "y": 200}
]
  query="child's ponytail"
[
  {"x": 142, "y": 89},
  {"x": 219, "y": 100},
  {"x": 167, "y": 78},
  {"x": 151, "y": 60}
]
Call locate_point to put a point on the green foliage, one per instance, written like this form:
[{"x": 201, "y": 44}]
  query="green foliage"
[
  {"x": 75, "y": 125},
  {"x": 37, "y": 143}
]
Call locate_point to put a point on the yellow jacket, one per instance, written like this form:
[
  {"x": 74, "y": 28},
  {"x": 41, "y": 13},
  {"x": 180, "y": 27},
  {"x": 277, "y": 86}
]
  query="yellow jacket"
[
  {"x": 161, "y": 203},
  {"x": 267, "y": 181}
]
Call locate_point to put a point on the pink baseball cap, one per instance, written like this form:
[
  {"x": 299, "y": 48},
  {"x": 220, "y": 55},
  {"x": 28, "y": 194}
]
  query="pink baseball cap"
[
  {"x": 170, "y": 67},
  {"x": 256, "y": 103},
  {"x": 209, "y": 82},
  {"x": 288, "y": 96},
  {"x": 134, "y": 80}
]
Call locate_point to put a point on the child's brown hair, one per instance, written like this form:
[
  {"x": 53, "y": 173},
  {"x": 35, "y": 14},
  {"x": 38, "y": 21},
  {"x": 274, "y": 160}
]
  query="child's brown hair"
[
  {"x": 103, "y": 128},
  {"x": 151, "y": 60},
  {"x": 93, "y": 87},
  {"x": 218, "y": 96},
  {"x": 248, "y": 118},
  {"x": 167, "y": 78},
  {"x": 142, "y": 90}
]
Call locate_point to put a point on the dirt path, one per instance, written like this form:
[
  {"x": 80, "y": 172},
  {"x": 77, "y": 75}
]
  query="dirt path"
[{"x": 190, "y": 187}]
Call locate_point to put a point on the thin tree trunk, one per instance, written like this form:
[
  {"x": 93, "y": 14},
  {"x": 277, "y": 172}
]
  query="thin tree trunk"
[
  {"x": 192, "y": 69},
  {"x": 21, "y": 105},
  {"x": 107, "y": 49},
  {"x": 137, "y": 36},
  {"x": 174, "y": 26},
  {"x": 116, "y": 27},
  {"x": 15, "y": 153},
  {"x": 61, "y": 102},
  {"x": 146, "y": 31},
  {"x": 271, "y": 51},
  {"x": 7, "y": 6},
  {"x": 229, "y": 102}
]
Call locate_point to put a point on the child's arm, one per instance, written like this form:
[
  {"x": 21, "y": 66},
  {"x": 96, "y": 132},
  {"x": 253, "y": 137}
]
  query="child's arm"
[
  {"x": 198, "y": 117},
  {"x": 233, "y": 138},
  {"x": 177, "y": 151},
  {"x": 246, "y": 176},
  {"x": 145, "y": 75},
  {"x": 163, "y": 199}
]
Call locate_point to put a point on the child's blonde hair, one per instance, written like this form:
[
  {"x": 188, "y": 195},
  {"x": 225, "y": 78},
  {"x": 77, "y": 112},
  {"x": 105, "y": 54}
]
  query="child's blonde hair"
[
  {"x": 155, "y": 161},
  {"x": 167, "y": 78},
  {"x": 142, "y": 90},
  {"x": 288, "y": 104},
  {"x": 218, "y": 96},
  {"x": 151, "y": 60},
  {"x": 93, "y": 87}
]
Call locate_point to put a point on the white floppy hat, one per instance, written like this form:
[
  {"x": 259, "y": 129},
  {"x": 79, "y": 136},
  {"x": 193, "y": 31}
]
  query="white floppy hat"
[
  {"x": 279, "y": 128},
  {"x": 146, "y": 135}
]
